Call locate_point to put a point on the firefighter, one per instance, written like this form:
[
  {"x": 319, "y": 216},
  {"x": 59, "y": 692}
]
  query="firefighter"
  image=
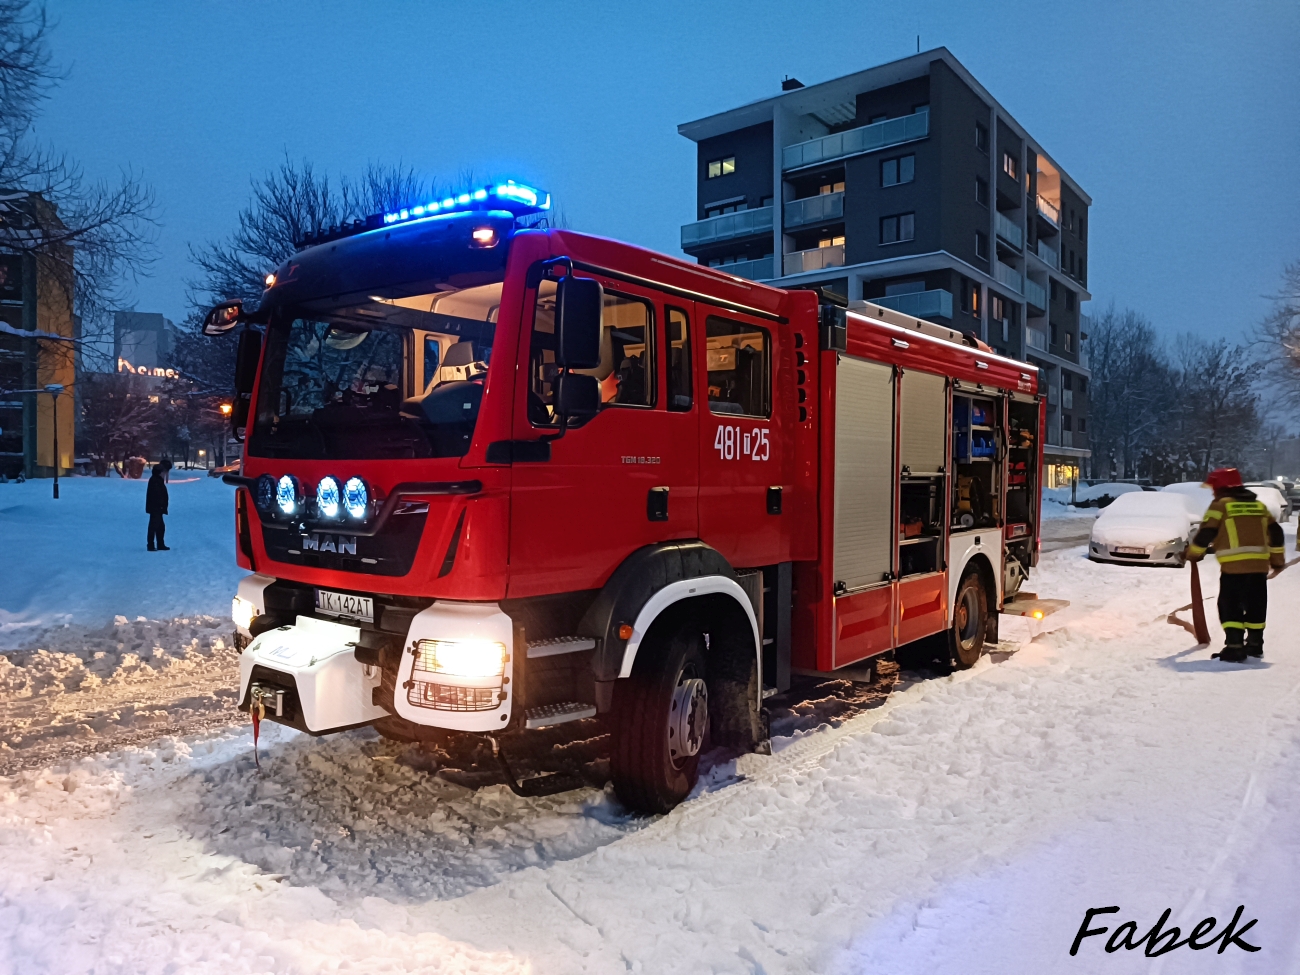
[{"x": 1249, "y": 547}]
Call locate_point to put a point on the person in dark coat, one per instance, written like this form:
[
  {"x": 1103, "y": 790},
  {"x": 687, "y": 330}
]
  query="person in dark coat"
[{"x": 155, "y": 505}]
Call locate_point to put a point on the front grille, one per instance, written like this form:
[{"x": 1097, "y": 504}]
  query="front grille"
[
  {"x": 1128, "y": 555},
  {"x": 447, "y": 697}
]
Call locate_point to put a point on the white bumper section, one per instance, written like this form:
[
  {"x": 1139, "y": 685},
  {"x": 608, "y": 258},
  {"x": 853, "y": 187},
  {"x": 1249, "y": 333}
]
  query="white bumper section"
[{"x": 335, "y": 689}]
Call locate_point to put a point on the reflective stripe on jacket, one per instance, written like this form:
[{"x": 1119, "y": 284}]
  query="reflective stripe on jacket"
[{"x": 1244, "y": 535}]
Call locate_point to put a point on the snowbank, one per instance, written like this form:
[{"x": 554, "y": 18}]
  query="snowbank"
[{"x": 82, "y": 559}]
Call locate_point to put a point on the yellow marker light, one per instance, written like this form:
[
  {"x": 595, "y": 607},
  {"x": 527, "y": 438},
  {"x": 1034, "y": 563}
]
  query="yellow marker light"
[
  {"x": 1038, "y": 614},
  {"x": 242, "y": 612},
  {"x": 226, "y": 408},
  {"x": 485, "y": 236},
  {"x": 461, "y": 658},
  {"x": 270, "y": 280}
]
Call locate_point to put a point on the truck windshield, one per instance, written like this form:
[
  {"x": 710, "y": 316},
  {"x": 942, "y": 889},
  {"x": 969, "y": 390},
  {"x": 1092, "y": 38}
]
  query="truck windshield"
[{"x": 384, "y": 378}]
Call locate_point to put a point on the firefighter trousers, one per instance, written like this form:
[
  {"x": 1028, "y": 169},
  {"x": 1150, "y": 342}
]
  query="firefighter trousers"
[{"x": 1243, "y": 605}]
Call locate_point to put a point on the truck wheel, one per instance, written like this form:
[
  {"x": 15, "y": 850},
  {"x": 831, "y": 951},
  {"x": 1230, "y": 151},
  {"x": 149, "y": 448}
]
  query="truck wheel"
[
  {"x": 661, "y": 716},
  {"x": 970, "y": 618}
]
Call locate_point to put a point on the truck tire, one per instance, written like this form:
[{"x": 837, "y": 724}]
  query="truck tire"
[
  {"x": 970, "y": 616},
  {"x": 660, "y": 723}
]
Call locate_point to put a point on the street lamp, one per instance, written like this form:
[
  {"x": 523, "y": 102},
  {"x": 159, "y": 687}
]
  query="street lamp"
[{"x": 54, "y": 389}]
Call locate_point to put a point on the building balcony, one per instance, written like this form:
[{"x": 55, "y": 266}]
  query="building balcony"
[
  {"x": 1008, "y": 231},
  {"x": 1036, "y": 339},
  {"x": 1050, "y": 212},
  {"x": 866, "y": 138},
  {"x": 728, "y": 226},
  {"x": 1048, "y": 256},
  {"x": 813, "y": 210},
  {"x": 919, "y": 304},
  {"x": 814, "y": 259},
  {"x": 759, "y": 270},
  {"x": 1009, "y": 277},
  {"x": 1036, "y": 295}
]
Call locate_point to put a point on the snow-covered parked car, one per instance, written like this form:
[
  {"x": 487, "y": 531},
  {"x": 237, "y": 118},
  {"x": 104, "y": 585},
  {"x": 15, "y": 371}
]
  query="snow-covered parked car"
[
  {"x": 1146, "y": 528},
  {"x": 1277, "y": 503},
  {"x": 1196, "y": 494}
]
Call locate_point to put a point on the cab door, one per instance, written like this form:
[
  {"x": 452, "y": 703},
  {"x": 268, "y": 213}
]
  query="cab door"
[
  {"x": 625, "y": 478},
  {"x": 741, "y": 463}
]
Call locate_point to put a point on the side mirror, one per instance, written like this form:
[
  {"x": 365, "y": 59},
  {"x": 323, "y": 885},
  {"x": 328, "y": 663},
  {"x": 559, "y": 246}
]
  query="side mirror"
[
  {"x": 579, "y": 303},
  {"x": 247, "y": 356},
  {"x": 223, "y": 317},
  {"x": 577, "y": 395}
]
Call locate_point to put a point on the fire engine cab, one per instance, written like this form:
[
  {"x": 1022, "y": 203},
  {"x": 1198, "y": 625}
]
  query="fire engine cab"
[{"x": 497, "y": 477}]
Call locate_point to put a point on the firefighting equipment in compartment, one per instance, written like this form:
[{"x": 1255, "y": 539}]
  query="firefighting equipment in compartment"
[
  {"x": 1021, "y": 437},
  {"x": 982, "y": 444},
  {"x": 913, "y": 529},
  {"x": 972, "y": 502},
  {"x": 981, "y": 415},
  {"x": 1017, "y": 474}
]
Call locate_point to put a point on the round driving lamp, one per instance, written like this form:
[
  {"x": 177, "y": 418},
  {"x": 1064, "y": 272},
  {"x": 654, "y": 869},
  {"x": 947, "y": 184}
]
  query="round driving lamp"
[
  {"x": 356, "y": 498},
  {"x": 288, "y": 494},
  {"x": 329, "y": 500},
  {"x": 264, "y": 493}
]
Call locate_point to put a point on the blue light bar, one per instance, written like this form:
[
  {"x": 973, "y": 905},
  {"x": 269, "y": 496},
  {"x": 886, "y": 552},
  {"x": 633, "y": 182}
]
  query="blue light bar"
[{"x": 515, "y": 197}]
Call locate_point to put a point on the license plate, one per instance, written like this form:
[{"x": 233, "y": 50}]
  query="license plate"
[
  {"x": 1130, "y": 550},
  {"x": 342, "y": 604}
]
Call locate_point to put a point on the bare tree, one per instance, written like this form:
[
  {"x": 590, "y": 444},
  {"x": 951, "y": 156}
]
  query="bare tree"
[
  {"x": 120, "y": 417},
  {"x": 1277, "y": 339},
  {"x": 91, "y": 236},
  {"x": 1128, "y": 392}
]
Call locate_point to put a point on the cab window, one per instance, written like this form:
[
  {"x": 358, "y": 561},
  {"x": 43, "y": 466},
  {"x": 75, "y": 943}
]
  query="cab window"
[
  {"x": 739, "y": 366},
  {"x": 627, "y": 360},
  {"x": 679, "y": 360}
]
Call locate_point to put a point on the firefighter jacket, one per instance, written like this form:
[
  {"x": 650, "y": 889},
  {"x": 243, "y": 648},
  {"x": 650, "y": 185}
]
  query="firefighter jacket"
[{"x": 1244, "y": 535}]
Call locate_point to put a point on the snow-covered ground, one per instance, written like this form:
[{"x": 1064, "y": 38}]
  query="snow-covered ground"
[{"x": 963, "y": 825}]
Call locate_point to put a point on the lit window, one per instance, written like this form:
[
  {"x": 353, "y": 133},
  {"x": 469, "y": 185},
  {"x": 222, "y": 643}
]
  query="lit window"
[
  {"x": 1009, "y": 164},
  {"x": 836, "y": 241},
  {"x": 895, "y": 171},
  {"x": 897, "y": 228},
  {"x": 826, "y": 189},
  {"x": 722, "y": 167}
]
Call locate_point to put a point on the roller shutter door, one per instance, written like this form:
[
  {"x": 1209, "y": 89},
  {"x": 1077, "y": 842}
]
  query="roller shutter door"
[
  {"x": 864, "y": 472},
  {"x": 923, "y": 423}
]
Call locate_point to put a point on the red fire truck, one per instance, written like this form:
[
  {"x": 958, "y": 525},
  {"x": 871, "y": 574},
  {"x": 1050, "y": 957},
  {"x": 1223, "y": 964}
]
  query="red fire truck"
[{"x": 497, "y": 477}]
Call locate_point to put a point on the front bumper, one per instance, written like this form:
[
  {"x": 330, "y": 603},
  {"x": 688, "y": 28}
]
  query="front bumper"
[
  {"x": 328, "y": 689},
  {"x": 1167, "y": 553}
]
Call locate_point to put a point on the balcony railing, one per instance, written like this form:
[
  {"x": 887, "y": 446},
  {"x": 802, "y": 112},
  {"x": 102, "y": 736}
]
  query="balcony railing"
[
  {"x": 1035, "y": 294},
  {"x": 1050, "y": 211},
  {"x": 1048, "y": 255},
  {"x": 1011, "y": 278},
  {"x": 1035, "y": 339},
  {"x": 1009, "y": 232},
  {"x": 814, "y": 259},
  {"x": 891, "y": 132},
  {"x": 759, "y": 270},
  {"x": 919, "y": 304},
  {"x": 814, "y": 209},
  {"x": 744, "y": 223}
]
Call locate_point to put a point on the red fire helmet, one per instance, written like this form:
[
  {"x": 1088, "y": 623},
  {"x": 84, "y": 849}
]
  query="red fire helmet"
[{"x": 1224, "y": 477}]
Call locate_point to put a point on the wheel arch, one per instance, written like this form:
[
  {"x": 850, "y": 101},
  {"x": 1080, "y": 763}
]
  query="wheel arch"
[{"x": 978, "y": 563}]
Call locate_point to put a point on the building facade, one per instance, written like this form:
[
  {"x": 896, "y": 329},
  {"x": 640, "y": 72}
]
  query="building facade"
[
  {"x": 908, "y": 185},
  {"x": 38, "y": 339}
]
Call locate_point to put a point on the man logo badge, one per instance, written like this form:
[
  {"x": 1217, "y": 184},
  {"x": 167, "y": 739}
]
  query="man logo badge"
[{"x": 342, "y": 544}]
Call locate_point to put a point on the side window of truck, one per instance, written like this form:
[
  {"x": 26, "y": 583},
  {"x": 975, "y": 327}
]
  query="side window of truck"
[
  {"x": 679, "y": 360},
  {"x": 627, "y": 360},
  {"x": 739, "y": 364}
]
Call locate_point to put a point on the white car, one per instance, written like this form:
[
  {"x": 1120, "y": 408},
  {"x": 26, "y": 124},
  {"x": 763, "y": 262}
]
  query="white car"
[
  {"x": 1197, "y": 495},
  {"x": 1146, "y": 528},
  {"x": 1277, "y": 504}
]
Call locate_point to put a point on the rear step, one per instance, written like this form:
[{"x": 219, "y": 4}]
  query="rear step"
[
  {"x": 559, "y": 644},
  {"x": 1028, "y": 604},
  {"x": 546, "y": 715}
]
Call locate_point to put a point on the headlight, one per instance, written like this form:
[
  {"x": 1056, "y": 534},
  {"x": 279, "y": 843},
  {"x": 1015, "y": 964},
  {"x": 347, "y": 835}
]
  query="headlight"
[
  {"x": 288, "y": 494},
  {"x": 328, "y": 498},
  {"x": 265, "y": 496},
  {"x": 356, "y": 497},
  {"x": 242, "y": 612},
  {"x": 461, "y": 658}
]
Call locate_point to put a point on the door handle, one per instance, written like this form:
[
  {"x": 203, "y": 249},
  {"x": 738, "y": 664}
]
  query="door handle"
[{"x": 656, "y": 504}]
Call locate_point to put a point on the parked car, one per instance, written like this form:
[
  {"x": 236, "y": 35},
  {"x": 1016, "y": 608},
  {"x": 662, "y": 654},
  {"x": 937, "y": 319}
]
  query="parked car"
[
  {"x": 1276, "y": 500},
  {"x": 1101, "y": 495},
  {"x": 1196, "y": 495},
  {"x": 1144, "y": 528}
]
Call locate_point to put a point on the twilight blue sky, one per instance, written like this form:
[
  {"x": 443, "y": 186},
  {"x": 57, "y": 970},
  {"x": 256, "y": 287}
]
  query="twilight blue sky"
[{"x": 1181, "y": 119}]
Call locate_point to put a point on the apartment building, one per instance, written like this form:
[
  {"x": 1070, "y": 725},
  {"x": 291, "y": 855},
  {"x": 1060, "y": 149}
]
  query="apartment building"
[{"x": 908, "y": 185}]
